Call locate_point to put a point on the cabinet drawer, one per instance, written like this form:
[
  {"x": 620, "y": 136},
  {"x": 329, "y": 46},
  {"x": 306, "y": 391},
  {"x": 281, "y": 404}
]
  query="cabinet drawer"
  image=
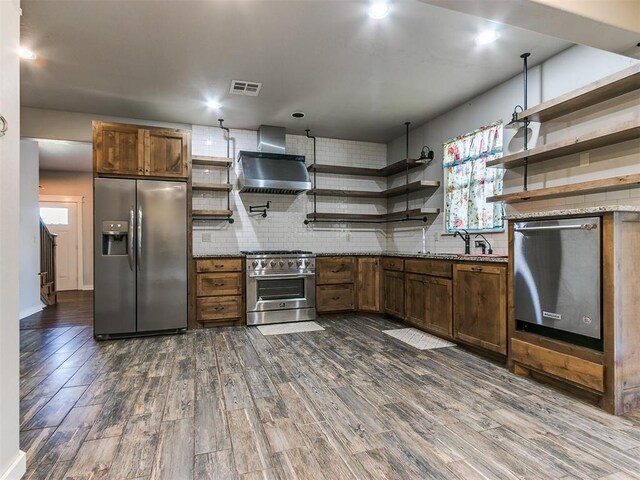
[
  {"x": 333, "y": 270},
  {"x": 574, "y": 369},
  {"x": 208, "y": 284},
  {"x": 219, "y": 265},
  {"x": 435, "y": 268},
  {"x": 215, "y": 308},
  {"x": 335, "y": 298},
  {"x": 393, "y": 264}
]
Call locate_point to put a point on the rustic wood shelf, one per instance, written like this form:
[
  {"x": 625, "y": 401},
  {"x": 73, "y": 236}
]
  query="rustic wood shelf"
[
  {"x": 212, "y": 187},
  {"x": 211, "y": 161},
  {"x": 599, "y": 138},
  {"x": 373, "y": 218},
  {"x": 612, "y": 86},
  {"x": 582, "y": 188},
  {"x": 392, "y": 192},
  {"x": 387, "y": 171},
  {"x": 212, "y": 213}
]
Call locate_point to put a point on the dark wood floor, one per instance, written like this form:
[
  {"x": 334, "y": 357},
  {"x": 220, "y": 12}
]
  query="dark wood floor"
[
  {"x": 74, "y": 307},
  {"x": 345, "y": 403}
]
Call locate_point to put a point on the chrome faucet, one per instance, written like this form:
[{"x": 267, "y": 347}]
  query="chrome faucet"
[
  {"x": 483, "y": 244},
  {"x": 466, "y": 238}
]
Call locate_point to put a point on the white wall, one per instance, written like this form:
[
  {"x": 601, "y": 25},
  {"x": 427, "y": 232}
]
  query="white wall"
[
  {"x": 29, "y": 230},
  {"x": 566, "y": 71},
  {"x": 77, "y": 184},
  {"x": 12, "y": 460},
  {"x": 284, "y": 228},
  {"x": 76, "y": 126}
]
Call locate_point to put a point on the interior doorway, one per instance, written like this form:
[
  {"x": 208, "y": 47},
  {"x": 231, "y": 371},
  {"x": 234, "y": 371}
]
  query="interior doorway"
[{"x": 63, "y": 217}]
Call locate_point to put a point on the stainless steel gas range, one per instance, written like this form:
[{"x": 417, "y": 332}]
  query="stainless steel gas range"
[{"x": 281, "y": 286}]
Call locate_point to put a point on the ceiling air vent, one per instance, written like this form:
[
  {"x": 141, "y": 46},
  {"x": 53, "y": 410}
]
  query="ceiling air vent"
[{"x": 241, "y": 87}]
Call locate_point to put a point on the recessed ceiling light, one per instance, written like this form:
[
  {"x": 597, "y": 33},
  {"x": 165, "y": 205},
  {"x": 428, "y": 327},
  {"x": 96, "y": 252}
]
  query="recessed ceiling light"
[
  {"x": 214, "y": 105},
  {"x": 487, "y": 37},
  {"x": 26, "y": 53},
  {"x": 298, "y": 114},
  {"x": 379, "y": 10}
]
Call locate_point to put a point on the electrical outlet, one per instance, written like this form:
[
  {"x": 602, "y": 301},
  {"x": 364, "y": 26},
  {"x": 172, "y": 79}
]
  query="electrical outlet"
[
  {"x": 206, "y": 238},
  {"x": 584, "y": 159}
]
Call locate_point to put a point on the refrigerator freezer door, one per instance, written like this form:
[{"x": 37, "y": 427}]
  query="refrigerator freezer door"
[
  {"x": 162, "y": 261},
  {"x": 114, "y": 257}
]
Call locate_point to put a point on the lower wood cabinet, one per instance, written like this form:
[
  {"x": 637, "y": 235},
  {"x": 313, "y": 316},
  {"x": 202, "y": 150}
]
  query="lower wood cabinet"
[
  {"x": 480, "y": 305},
  {"x": 219, "y": 291},
  {"x": 393, "y": 293},
  {"x": 335, "y": 291},
  {"x": 335, "y": 298},
  {"x": 368, "y": 283},
  {"x": 429, "y": 303}
]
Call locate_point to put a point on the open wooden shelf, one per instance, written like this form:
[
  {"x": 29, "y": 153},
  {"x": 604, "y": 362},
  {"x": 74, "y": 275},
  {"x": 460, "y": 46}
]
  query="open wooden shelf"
[
  {"x": 392, "y": 192},
  {"x": 373, "y": 218},
  {"x": 387, "y": 171},
  {"x": 598, "y": 138},
  {"x": 211, "y": 161},
  {"x": 612, "y": 86},
  {"x": 211, "y": 213},
  {"x": 212, "y": 187},
  {"x": 583, "y": 188}
]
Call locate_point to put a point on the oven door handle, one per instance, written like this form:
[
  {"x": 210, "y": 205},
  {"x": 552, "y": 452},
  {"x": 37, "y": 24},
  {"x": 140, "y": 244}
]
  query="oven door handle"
[{"x": 283, "y": 275}]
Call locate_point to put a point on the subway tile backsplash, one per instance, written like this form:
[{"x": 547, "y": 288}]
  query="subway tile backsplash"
[{"x": 284, "y": 227}]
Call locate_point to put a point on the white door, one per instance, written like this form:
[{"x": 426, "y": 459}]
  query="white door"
[{"x": 61, "y": 219}]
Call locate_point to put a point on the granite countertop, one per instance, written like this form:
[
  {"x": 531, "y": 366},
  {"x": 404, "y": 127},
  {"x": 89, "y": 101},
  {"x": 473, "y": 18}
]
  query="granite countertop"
[
  {"x": 573, "y": 212},
  {"x": 431, "y": 256},
  {"x": 440, "y": 256}
]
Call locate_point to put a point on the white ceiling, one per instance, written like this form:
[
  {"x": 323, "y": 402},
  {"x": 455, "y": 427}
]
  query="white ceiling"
[
  {"x": 62, "y": 155},
  {"x": 355, "y": 77}
]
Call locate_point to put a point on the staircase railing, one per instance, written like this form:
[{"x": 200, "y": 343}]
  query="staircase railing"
[{"x": 47, "y": 265}]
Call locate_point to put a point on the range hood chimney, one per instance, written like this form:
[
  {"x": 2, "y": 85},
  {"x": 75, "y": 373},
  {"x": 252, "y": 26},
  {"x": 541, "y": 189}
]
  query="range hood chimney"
[{"x": 270, "y": 169}]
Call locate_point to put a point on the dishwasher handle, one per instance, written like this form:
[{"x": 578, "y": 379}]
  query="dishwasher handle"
[{"x": 583, "y": 226}]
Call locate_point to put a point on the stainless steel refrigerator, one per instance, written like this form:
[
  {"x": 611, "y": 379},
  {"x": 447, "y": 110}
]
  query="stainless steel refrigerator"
[{"x": 140, "y": 257}]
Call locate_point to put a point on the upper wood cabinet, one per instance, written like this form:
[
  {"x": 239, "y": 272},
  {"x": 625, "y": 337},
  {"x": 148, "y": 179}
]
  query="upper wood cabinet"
[
  {"x": 393, "y": 293},
  {"x": 368, "y": 284},
  {"x": 166, "y": 152},
  {"x": 133, "y": 150},
  {"x": 118, "y": 149},
  {"x": 480, "y": 305}
]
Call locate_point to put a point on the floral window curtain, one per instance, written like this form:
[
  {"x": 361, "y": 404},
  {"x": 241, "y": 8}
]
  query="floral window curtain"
[{"x": 469, "y": 182}]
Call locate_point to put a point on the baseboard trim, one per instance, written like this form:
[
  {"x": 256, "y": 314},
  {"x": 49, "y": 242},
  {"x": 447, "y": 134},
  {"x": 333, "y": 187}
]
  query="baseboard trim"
[
  {"x": 87, "y": 287},
  {"x": 17, "y": 469},
  {"x": 31, "y": 310}
]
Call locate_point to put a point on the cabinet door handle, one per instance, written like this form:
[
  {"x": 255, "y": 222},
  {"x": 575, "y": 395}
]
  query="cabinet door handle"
[
  {"x": 218, "y": 266},
  {"x": 219, "y": 308},
  {"x": 218, "y": 284},
  {"x": 476, "y": 269},
  {"x": 335, "y": 298},
  {"x": 340, "y": 268}
]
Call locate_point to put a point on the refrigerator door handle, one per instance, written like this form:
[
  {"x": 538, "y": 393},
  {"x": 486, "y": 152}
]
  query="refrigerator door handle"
[
  {"x": 139, "y": 237},
  {"x": 131, "y": 245}
]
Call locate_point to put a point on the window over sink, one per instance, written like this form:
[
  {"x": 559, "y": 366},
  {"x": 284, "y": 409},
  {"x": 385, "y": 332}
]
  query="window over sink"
[{"x": 468, "y": 181}]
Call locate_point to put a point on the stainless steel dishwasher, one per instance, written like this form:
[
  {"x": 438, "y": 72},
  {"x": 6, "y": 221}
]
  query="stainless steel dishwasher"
[{"x": 558, "y": 285}]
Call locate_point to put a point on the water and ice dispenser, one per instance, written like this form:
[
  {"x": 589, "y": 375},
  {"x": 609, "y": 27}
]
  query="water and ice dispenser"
[{"x": 115, "y": 236}]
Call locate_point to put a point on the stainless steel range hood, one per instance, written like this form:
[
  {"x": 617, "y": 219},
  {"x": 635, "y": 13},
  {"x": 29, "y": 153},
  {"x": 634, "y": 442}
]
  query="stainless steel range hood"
[{"x": 270, "y": 169}]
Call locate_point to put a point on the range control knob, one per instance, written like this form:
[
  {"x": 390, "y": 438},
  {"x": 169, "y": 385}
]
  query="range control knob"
[
  {"x": 263, "y": 263},
  {"x": 272, "y": 263},
  {"x": 291, "y": 263},
  {"x": 254, "y": 264},
  {"x": 281, "y": 263},
  {"x": 299, "y": 262}
]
